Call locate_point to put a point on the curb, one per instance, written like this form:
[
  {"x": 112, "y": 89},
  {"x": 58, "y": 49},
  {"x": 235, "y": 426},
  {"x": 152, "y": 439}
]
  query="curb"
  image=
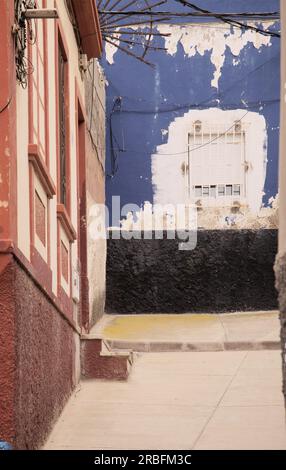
[{"x": 163, "y": 346}]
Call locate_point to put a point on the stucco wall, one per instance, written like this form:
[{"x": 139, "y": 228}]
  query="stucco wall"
[
  {"x": 74, "y": 79},
  {"x": 229, "y": 270},
  {"x": 95, "y": 186},
  {"x": 35, "y": 387},
  {"x": 209, "y": 69},
  {"x": 7, "y": 350}
]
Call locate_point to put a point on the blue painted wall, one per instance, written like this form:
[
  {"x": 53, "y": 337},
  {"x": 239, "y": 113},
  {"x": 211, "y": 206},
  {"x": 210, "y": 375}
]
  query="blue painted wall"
[{"x": 144, "y": 109}]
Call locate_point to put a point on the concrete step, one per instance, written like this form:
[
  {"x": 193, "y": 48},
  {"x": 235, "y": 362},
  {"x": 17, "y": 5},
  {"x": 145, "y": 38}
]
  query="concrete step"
[
  {"x": 190, "y": 332},
  {"x": 171, "y": 346},
  {"x": 99, "y": 361}
]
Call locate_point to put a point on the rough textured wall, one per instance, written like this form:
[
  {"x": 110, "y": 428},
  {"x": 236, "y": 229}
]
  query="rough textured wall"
[
  {"x": 95, "y": 185},
  {"x": 207, "y": 66},
  {"x": 229, "y": 270},
  {"x": 7, "y": 350},
  {"x": 280, "y": 270},
  {"x": 41, "y": 379}
]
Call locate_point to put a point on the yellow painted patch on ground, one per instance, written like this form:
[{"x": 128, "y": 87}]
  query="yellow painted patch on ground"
[
  {"x": 190, "y": 327},
  {"x": 158, "y": 326}
]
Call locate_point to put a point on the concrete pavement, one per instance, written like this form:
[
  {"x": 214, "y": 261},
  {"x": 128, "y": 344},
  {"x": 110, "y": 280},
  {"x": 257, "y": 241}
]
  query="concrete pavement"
[{"x": 199, "y": 400}]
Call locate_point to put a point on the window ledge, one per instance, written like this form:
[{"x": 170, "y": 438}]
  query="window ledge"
[
  {"x": 65, "y": 220},
  {"x": 41, "y": 169}
]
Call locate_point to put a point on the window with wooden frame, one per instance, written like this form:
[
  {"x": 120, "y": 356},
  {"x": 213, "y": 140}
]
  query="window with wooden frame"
[
  {"x": 63, "y": 124},
  {"x": 66, "y": 232}
]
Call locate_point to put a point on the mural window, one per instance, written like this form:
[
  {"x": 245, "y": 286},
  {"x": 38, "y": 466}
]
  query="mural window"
[{"x": 216, "y": 163}]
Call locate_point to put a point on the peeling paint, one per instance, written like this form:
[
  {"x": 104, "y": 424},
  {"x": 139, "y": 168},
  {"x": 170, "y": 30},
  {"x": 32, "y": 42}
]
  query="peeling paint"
[
  {"x": 169, "y": 158},
  {"x": 199, "y": 39},
  {"x": 7, "y": 152},
  {"x": 157, "y": 92},
  {"x": 211, "y": 218},
  {"x": 202, "y": 38},
  {"x": 111, "y": 49},
  {"x": 243, "y": 65},
  {"x": 4, "y": 204}
]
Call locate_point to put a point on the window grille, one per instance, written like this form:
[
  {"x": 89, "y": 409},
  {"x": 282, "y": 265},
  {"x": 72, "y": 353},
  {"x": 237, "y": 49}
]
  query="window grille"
[
  {"x": 62, "y": 126},
  {"x": 216, "y": 162}
]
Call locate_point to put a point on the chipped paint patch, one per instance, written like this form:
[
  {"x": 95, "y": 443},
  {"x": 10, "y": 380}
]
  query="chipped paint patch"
[
  {"x": 7, "y": 152},
  {"x": 168, "y": 161},
  {"x": 213, "y": 38},
  {"x": 4, "y": 204},
  {"x": 202, "y": 38},
  {"x": 111, "y": 49}
]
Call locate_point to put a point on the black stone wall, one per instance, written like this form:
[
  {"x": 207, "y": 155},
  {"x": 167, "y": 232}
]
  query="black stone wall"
[{"x": 229, "y": 270}]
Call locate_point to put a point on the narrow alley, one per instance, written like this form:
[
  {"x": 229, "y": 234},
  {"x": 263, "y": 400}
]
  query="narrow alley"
[
  {"x": 198, "y": 400},
  {"x": 206, "y": 399},
  {"x": 142, "y": 227}
]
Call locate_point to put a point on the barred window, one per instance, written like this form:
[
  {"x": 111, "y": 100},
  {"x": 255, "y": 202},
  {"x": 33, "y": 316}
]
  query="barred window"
[
  {"x": 62, "y": 125},
  {"x": 216, "y": 162}
]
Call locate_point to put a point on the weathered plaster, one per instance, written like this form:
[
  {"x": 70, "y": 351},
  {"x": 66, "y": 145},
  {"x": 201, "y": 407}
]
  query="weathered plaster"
[
  {"x": 23, "y": 201},
  {"x": 95, "y": 186},
  {"x": 169, "y": 158},
  {"x": 111, "y": 49},
  {"x": 244, "y": 66},
  {"x": 201, "y": 38},
  {"x": 148, "y": 218}
]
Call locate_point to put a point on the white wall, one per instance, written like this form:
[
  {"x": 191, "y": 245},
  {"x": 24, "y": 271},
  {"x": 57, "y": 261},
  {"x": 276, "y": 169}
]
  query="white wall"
[{"x": 169, "y": 158}]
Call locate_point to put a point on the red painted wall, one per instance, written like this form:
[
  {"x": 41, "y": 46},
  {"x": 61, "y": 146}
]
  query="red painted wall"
[
  {"x": 37, "y": 359},
  {"x": 7, "y": 349},
  {"x": 8, "y": 164}
]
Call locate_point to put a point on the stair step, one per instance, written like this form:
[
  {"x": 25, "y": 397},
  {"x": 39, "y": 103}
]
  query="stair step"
[{"x": 99, "y": 361}]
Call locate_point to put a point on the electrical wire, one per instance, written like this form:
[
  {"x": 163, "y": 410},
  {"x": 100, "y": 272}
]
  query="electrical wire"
[
  {"x": 214, "y": 97},
  {"x": 6, "y": 105},
  {"x": 114, "y": 155},
  {"x": 94, "y": 146},
  {"x": 274, "y": 14},
  {"x": 225, "y": 19},
  {"x": 205, "y": 104},
  {"x": 207, "y": 143},
  {"x": 114, "y": 152}
]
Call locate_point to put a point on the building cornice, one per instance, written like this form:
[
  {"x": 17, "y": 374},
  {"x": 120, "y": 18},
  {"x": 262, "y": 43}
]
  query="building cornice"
[{"x": 89, "y": 27}]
